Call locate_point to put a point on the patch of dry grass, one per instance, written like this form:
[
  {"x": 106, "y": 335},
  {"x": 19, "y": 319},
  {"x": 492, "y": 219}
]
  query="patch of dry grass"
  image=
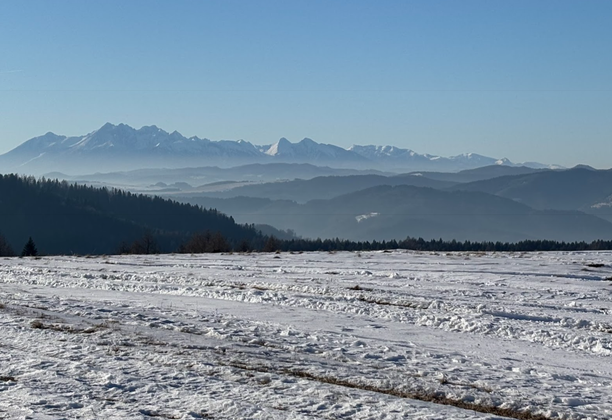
[{"x": 436, "y": 398}]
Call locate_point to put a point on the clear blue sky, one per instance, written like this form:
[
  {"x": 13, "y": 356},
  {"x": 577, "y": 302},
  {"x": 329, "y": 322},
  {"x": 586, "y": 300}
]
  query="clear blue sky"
[{"x": 527, "y": 80}]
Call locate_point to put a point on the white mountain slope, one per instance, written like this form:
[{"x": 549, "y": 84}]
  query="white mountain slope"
[
  {"x": 309, "y": 149},
  {"x": 392, "y": 155},
  {"x": 121, "y": 147},
  {"x": 389, "y": 153}
]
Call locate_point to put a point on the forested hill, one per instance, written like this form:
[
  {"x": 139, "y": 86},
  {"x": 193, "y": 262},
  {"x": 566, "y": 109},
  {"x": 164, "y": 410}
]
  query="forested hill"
[{"x": 65, "y": 218}]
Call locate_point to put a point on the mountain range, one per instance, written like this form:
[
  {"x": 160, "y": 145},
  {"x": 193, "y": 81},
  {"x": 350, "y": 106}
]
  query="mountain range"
[
  {"x": 121, "y": 147},
  {"x": 386, "y": 212},
  {"x": 322, "y": 190},
  {"x": 580, "y": 188},
  {"x": 493, "y": 203}
]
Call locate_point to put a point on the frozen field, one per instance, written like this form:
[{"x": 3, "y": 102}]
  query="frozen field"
[{"x": 307, "y": 336}]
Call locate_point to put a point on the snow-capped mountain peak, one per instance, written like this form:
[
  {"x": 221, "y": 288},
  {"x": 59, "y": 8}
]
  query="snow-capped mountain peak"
[
  {"x": 308, "y": 149},
  {"x": 504, "y": 161},
  {"x": 390, "y": 153},
  {"x": 282, "y": 147},
  {"x": 150, "y": 145}
]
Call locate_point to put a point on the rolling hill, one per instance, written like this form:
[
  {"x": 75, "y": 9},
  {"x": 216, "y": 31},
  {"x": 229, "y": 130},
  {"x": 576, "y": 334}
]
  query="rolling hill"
[
  {"x": 326, "y": 187},
  {"x": 394, "y": 212},
  {"x": 580, "y": 188}
]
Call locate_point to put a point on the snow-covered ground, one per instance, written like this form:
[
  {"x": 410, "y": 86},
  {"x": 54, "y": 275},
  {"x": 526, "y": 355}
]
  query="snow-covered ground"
[{"x": 313, "y": 335}]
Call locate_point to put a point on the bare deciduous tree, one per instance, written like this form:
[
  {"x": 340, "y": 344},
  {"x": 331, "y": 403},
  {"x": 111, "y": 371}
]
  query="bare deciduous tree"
[{"x": 5, "y": 248}]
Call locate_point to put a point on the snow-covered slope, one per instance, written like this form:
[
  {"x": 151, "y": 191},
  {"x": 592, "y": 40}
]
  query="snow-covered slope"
[
  {"x": 391, "y": 154},
  {"x": 121, "y": 147},
  {"x": 313, "y": 335},
  {"x": 308, "y": 150},
  {"x": 476, "y": 160},
  {"x": 398, "y": 157},
  {"x": 125, "y": 139}
]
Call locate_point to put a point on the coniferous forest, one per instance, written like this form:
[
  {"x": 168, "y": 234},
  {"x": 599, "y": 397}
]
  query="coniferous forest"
[
  {"x": 56, "y": 217},
  {"x": 64, "y": 218}
]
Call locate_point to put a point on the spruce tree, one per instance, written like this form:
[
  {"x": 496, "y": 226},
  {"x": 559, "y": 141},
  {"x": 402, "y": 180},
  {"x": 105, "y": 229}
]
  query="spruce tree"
[
  {"x": 29, "y": 249},
  {"x": 271, "y": 245}
]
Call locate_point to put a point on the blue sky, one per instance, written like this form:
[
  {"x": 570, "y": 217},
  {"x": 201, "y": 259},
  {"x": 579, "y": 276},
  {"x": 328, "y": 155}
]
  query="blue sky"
[{"x": 527, "y": 80}]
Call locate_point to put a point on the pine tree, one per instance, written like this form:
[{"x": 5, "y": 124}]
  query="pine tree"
[
  {"x": 244, "y": 246},
  {"x": 29, "y": 249},
  {"x": 271, "y": 245}
]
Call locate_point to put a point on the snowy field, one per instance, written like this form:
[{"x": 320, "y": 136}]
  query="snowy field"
[{"x": 307, "y": 336}]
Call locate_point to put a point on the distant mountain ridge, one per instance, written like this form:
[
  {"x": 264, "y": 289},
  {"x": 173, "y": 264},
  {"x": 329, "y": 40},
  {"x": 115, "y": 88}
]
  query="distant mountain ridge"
[
  {"x": 324, "y": 187},
  {"x": 489, "y": 203},
  {"x": 121, "y": 147},
  {"x": 581, "y": 188},
  {"x": 386, "y": 212}
]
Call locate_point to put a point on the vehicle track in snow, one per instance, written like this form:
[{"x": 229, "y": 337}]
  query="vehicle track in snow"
[{"x": 526, "y": 333}]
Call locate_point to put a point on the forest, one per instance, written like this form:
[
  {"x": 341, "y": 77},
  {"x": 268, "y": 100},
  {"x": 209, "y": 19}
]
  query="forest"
[
  {"x": 66, "y": 218},
  {"x": 51, "y": 217}
]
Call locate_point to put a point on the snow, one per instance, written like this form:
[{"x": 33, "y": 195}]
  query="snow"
[
  {"x": 283, "y": 146},
  {"x": 603, "y": 204},
  {"x": 122, "y": 140},
  {"x": 376, "y": 335},
  {"x": 306, "y": 149},
  {"x": 363, "y": 217},
  {"x": 33, "y": 159}
]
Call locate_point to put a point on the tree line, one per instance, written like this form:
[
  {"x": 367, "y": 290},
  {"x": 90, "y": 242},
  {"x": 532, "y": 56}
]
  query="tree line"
[
  {"x": 66, "y": 218},
  {"x": 209, "y": 242},
  {"x": 440, "y": 245}
]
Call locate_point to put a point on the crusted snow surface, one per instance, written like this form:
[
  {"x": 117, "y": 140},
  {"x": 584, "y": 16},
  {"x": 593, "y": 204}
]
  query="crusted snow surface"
[{"x": 380, "y": 335}]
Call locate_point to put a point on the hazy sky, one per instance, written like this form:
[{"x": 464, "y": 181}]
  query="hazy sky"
[{"x": 527, "y": 80}]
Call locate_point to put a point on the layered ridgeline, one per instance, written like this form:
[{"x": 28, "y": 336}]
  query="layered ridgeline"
[
  {"x": 326, "y": 187},
  {"x": 65, "y": 218},
  {"x": 121, "y": 147},
  {"x": 391, "y": 212},
  {"x": 581, "y": 188},
  {"x": 565, "y": 205}
]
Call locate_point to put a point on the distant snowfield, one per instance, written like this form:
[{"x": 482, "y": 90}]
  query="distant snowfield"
[{"x": 307, "y": 336}]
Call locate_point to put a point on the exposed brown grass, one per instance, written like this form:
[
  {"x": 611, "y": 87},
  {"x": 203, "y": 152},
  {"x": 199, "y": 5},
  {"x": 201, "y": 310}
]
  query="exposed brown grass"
[
  {"x": 387, "y": 303},
  {"x": 358, "y": 287},
  {"x": 39, "y": 325},
  {"x": 436, "y": 398}
]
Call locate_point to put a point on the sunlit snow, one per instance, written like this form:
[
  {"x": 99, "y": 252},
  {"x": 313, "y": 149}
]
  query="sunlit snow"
[
  {"x": 307, "y": 336},
  {"x": 363, "y": 217}
]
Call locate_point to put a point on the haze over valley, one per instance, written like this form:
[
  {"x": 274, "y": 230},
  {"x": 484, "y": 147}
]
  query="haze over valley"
[
  {"x": 323, "y": 191},
  {"x": 303, "y": 210}
]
